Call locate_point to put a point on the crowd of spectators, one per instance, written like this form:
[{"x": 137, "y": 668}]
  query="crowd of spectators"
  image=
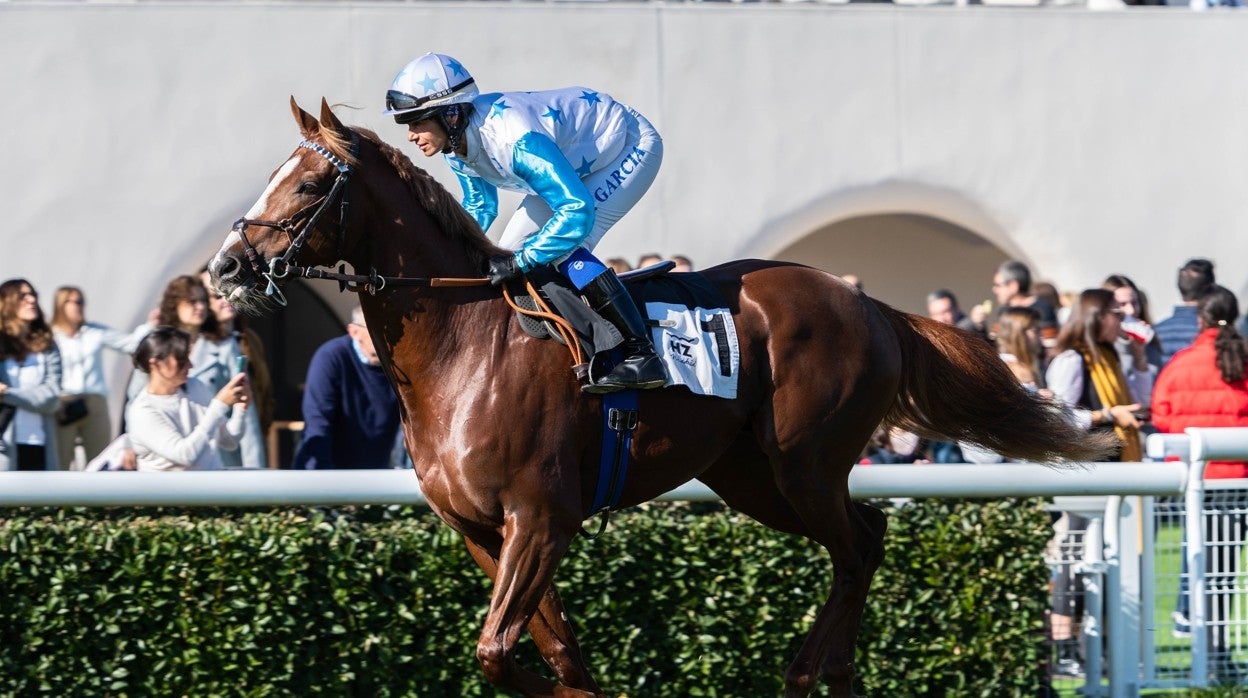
[{"x": 201, "y": 395}]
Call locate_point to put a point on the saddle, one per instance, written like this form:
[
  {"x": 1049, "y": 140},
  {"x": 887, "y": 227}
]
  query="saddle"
[
  {"x": 596, "y": 334},
  {"x": 691, "y": 326}
]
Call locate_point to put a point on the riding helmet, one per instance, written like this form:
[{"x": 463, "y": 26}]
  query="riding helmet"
[{"x": 428, "y": 85}]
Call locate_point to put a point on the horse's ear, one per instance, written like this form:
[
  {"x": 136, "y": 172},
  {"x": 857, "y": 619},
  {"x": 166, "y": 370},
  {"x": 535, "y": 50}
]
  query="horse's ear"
[
  {"x": 329, "y": 120},
  {"x": 307, "y": 123}
]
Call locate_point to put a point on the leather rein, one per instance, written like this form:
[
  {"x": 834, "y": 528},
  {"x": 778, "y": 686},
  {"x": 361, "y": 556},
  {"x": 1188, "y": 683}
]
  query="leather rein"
[{"x": 280, "y": 268}]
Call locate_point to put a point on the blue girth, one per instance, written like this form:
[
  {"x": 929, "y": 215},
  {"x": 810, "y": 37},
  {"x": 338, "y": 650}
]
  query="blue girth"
[{"x": 619, "y": 419}]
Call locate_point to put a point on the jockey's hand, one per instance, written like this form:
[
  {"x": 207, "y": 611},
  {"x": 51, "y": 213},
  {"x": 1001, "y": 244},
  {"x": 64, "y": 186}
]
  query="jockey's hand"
[{"x": 502, "y": 268}]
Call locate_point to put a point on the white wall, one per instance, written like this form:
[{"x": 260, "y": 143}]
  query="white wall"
[{"x": 1085, "y": 143}]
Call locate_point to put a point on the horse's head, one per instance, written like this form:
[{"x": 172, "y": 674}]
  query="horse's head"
[
  {"x": 299, "y": 221},
  {"x": 344, "y": 194}
]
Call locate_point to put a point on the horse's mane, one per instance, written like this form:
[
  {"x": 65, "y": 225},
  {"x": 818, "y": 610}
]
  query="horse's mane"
[{"x": 436, "y": 200}]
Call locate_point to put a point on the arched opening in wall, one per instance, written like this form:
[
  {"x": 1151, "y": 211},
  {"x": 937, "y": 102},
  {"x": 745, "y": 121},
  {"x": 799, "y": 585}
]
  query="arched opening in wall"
[{"x": 901, "y": 257}]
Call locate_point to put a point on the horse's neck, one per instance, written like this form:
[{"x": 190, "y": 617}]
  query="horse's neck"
[
  {"x": 424, "y": 327},
  {"x": 405, "y": 240}
]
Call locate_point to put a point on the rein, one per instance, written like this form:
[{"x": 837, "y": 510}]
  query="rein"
[{"x": 374, "y": 282}]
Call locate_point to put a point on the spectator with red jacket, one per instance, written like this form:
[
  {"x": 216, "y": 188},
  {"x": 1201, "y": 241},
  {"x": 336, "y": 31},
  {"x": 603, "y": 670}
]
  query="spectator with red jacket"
[{"x": 1204, "y": 385}]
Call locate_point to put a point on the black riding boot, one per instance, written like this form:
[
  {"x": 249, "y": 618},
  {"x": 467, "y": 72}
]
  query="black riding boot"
[{"x": 641, "y": 368}]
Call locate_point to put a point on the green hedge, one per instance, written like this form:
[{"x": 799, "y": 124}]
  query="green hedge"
[{"x": 674, "y": 600}]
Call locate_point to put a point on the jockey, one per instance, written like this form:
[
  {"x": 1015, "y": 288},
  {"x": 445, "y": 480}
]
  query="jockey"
[{"x": 582, "y": 159}]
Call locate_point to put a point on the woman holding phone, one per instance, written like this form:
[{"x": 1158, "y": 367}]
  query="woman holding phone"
[{"x": 176, "y": 423}]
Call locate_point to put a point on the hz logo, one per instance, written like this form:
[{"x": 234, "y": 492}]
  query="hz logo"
[{"x": 681, "y": 349}]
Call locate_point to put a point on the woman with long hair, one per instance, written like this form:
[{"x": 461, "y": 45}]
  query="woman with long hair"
[
  {"x": 232, "y": 325},
  {"x": 30, "y": 381},
  {"x": 1018, "y": 342},
  {"x": 82, "y": 346},
  {"x": 176, "y": 422},
  {"x": 1205, "y": 385},
  {"x": 1086, "y": 375}
]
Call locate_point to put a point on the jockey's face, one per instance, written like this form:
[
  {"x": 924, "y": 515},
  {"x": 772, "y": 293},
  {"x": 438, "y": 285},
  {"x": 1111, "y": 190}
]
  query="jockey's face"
[{"x": 428, "y": 136}]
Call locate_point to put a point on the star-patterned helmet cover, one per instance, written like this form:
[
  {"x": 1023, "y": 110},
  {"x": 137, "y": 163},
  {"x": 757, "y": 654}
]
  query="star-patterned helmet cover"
[{"x": 431, "y": 81}]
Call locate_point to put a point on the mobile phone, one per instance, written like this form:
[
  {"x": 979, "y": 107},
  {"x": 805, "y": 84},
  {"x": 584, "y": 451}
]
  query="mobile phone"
[{"x": 240, "y": 364}]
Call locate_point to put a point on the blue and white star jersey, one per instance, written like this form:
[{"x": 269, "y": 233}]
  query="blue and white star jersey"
[{"x": 546, "y": 144}]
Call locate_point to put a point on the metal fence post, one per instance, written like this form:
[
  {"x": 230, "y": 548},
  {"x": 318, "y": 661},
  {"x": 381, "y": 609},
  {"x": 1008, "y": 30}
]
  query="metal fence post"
[
  {"x": 1122, "y": 596},
  {"x": 1194, "y": 534},
  {"x": 1093, "y": 569}
]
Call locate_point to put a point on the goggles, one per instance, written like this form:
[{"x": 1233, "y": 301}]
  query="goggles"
[
  {"x": 454, "y": 116},
  {"x": 401, "y": 101},
  {"x": 412, "y": 117}
]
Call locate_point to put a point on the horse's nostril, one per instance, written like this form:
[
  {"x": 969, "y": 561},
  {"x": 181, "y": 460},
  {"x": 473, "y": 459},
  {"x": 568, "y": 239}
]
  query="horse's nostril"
[{"x": 228, "y": 267}]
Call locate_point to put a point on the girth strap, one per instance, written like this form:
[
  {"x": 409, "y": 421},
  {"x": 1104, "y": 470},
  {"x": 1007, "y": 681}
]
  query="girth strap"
[{"x": 619, "y": 420}]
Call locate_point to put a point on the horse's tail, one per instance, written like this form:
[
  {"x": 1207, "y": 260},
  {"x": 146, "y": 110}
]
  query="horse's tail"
[{"x": 955, "y": 386}]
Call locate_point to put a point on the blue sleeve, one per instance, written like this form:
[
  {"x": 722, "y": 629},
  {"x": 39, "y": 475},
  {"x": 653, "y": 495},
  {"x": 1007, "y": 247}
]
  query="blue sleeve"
[
  {"x": 540, "y": 163},
  {"x": 480, "y": 199},
  {"x": 320, "y": 407}
]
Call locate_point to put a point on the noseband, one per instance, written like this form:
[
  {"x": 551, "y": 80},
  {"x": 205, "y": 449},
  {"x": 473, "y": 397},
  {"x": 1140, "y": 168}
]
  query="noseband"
[{"x": 281, "y": 267}]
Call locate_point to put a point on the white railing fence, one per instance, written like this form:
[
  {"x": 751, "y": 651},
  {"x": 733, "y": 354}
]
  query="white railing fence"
[{"x": 264, "y": 487}]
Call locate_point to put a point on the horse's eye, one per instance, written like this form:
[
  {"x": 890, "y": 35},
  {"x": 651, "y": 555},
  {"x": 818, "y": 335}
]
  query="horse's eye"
[{"x": 308, "y": 188}]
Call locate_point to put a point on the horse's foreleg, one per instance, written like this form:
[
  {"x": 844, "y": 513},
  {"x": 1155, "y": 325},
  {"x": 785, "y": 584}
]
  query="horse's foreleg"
[
  {"x": 525, "y": 571},
  {"x": 551, "y": 631}
]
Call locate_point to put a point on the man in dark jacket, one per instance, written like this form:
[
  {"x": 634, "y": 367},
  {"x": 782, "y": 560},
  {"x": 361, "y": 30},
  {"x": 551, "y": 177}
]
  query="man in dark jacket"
[
  {"x": 1177, "y": 331},
  {"x": 350, "y": 412}
]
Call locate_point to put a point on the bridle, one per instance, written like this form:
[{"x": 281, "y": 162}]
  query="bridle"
[{"x": 281, "y": 267}]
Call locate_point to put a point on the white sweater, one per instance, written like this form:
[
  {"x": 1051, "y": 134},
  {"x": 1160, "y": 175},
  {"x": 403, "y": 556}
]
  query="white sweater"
[{"x": 182, "y": 431}]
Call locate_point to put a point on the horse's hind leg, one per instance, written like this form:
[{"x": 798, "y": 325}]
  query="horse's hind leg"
[
  {"x": 551, "y": 631},
  {"x": 853, "y": 535},
  {"x": 837, "y": 668},
  {"x": 813, "y": 503}
]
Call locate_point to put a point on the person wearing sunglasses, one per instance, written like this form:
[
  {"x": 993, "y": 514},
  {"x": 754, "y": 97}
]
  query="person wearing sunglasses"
[{"x": 581, "y": 159}]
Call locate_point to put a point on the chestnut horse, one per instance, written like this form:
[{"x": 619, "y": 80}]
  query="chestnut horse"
[{"x": 506, "y": 447}]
